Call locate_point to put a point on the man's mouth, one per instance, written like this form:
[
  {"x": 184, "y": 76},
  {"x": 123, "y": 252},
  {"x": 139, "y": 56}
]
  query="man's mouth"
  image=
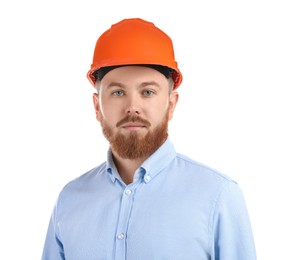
[{"x": 133, "y": 126}]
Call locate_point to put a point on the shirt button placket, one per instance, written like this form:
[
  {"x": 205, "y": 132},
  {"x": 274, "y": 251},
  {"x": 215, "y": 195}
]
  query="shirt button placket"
[{"x": 124, "y": 215}]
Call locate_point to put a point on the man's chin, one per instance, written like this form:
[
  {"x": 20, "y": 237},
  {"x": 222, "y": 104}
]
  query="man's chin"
[{"x": 135, "y": 131}]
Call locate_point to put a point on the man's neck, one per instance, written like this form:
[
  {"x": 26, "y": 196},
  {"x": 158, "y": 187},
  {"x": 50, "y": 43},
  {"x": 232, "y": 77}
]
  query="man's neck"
[{"x": 127, "y": 167}]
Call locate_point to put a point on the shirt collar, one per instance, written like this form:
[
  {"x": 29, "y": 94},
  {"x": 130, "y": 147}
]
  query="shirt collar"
[
  {"x": 158, "y": 160},
  {"x": 111, "y": 167},
  {"x": 151, "y": 167}
]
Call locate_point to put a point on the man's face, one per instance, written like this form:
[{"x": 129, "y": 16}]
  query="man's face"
[{"x": 134, "y": 106}]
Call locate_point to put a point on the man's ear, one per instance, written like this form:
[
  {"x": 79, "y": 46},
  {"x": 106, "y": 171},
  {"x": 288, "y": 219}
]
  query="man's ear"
[
  {"x": 96, "y": 106},
  {"x": 173, "y": 99}
]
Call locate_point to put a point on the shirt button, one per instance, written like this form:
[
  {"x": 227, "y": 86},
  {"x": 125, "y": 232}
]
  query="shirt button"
[
  {"x": 147, "y": 178},
  {"x": 121, "y": 236},
  {"x": 128, "y": 192}
]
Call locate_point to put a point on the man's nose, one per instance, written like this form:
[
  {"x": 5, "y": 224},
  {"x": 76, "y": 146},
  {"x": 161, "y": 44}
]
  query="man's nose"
[{"x": 133, "y": 105}]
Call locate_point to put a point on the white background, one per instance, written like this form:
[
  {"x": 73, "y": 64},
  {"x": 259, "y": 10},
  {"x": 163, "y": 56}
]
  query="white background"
[{"x": 234, "y": 112}]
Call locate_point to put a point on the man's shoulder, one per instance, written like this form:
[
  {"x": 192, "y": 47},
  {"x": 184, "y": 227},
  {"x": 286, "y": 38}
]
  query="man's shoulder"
[
  {"x": 87, "y": 178},
  {"x": 197, "y": 168}
]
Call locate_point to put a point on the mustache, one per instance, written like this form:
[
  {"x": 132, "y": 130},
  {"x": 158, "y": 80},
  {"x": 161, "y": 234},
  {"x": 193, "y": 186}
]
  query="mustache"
[{"x": 133, "y": 118}]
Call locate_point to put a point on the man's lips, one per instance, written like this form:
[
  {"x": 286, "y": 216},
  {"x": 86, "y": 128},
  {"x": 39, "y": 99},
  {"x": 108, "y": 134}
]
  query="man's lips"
[{"x": 130, "y": 125}]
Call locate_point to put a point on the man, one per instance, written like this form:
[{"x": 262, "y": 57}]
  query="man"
[{"x": 146, "y": 202}]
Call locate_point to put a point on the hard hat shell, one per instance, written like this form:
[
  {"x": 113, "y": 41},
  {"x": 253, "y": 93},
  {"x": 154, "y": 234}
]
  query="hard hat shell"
[{"x": 134, "y": 41}]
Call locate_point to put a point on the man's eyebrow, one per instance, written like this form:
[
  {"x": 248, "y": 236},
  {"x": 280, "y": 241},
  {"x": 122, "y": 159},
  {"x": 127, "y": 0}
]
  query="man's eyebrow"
[
  {"x": 150, "y": 83},
  {"x": 142, "y": 85},
  {"x": 115, "y": 84}
]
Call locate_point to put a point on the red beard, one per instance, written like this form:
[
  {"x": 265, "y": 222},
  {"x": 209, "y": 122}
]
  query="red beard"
[{"x": 133, "y": 146}]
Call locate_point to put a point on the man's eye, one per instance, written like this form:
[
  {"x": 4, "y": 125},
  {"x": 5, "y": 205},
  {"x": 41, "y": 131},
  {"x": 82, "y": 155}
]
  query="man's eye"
[
  {"x": 148, "y": 92},
  {"x": 118, "y": 93}
]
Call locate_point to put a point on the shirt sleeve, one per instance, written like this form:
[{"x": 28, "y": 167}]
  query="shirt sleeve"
[
  {"x": 231, "y": 233},
  {"x": 53, "y": 248}
]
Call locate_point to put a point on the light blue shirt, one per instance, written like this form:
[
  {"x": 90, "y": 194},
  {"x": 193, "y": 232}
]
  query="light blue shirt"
[{"x": 175, "y": 209}]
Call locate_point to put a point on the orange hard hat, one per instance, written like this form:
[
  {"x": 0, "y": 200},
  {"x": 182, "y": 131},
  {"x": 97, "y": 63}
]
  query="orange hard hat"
[{"x": 134, "y": 41}]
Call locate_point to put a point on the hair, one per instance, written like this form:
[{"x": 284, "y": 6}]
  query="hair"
[{"x": 166, "y": 71}]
